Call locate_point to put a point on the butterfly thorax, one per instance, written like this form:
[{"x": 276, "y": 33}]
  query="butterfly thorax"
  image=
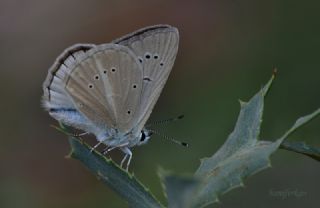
[{"x": 114, "y": 138}]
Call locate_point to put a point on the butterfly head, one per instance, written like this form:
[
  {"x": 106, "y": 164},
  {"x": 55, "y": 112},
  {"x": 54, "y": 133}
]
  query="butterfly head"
[{"x": 144, "y": 136}]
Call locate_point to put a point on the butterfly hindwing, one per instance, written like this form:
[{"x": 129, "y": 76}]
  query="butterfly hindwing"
[
  {"x": 112, "y": 85},
  {"x": 55, "y": 96}
]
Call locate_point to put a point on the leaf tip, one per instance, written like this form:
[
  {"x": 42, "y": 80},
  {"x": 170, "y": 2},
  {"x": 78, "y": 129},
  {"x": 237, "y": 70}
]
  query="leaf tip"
[
  {"x": 201, "y": 160},
  {"x": 217, "y": 200},
  {"x": 268, "y": 85},
  {"x": 242, "y": 103},
  {"x": 241, "y": 184},
  {"x": 269, "y": 165},
  {"x": 274, "y": 72},
  {"x": 162, "y": 173},
  {"x": 70, "y": 155}
]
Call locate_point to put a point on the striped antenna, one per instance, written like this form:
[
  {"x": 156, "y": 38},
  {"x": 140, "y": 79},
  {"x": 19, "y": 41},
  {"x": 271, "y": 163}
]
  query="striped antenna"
[
  {"x": 184, "y": 144},
  {"x": 165, "y": 121}
]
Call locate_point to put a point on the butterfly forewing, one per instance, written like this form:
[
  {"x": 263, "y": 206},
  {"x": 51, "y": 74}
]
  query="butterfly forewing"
[
  {"x": 106, "y": 86},
  {"x": 156, "y": 48}
]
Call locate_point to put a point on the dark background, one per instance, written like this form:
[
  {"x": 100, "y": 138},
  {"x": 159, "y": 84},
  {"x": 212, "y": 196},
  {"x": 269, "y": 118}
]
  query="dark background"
[{"x": 227, "y": 52}]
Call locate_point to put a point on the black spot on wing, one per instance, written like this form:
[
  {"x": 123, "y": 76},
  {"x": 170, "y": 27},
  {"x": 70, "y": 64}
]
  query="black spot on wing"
[{"x": 147, "y": 79}]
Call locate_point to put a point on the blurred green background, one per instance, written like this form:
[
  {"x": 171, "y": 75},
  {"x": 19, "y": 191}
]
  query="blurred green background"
[{"x": 227, "y": 52}]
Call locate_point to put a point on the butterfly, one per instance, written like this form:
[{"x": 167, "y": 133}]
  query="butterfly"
[{"x": 109, "y": 90}]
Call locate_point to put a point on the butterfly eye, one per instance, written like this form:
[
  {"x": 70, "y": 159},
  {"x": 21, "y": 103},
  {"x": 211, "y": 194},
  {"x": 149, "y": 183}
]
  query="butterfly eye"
[
  {"x": 113, "y": 69},
  {"x": 143, "y": 136},
  {"x": 90, "y": 86},
  {"x": 105, "y": 71},
  {"x": 129, "y": 112},
  {"x": 96, "y": 77},
  {"x": 134, "y": 86}
]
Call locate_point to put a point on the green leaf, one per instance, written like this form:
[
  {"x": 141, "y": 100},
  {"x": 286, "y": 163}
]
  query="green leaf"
[
  {"x": 120, "y": 181},
  {"x": 244, "y": 135},
  {"x": 241, "y": 156},
  {"x": 302, "y": 148}
]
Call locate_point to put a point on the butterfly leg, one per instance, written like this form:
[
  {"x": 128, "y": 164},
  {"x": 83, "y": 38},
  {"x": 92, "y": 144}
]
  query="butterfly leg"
[
  {"x": 100, "y": 142},
  {"x": 124, "y": 159},
  {"x": 108, "y": 149},
  {"x": 95, "y": 146},
  {"x": 127, "y": 153}
]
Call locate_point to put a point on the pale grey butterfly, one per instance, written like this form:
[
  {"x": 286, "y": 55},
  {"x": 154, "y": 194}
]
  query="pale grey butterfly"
[{"x": 109, "y": 90}]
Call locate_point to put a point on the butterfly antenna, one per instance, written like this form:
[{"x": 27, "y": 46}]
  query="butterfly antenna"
[
  {"x": 165, "y": 121},
  {"x": 169, "y": 138}
]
